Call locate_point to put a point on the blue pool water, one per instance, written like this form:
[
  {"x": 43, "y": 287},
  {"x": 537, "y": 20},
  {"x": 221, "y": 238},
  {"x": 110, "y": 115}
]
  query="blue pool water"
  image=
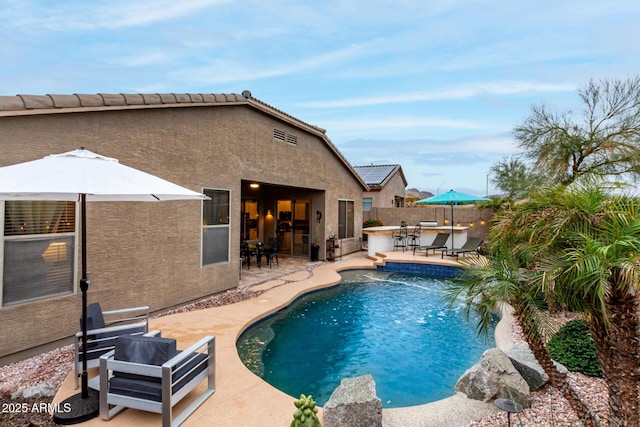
[{"x": 393, "y": 326}]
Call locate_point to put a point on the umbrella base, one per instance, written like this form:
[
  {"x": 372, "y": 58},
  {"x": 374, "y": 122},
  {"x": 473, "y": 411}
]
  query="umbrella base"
[{"x": 75, "y": 409}]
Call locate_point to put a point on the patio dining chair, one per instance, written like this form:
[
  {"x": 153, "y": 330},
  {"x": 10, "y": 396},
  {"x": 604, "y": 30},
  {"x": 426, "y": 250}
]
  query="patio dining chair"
[
  {"x": 271, "y": 251},
  {"x": 103, "y": 328},
  {"x": 259, "y": 253},
  {"x": 246, "y": 253}
]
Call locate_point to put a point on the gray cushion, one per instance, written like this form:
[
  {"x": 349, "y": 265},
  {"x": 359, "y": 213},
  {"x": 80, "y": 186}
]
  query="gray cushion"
[
  {"x": 149, "y": 388},
  {"x": 95, "y": 319},
  {"x": 132, "y": 387},
  {"x": 145, "y": 350}
]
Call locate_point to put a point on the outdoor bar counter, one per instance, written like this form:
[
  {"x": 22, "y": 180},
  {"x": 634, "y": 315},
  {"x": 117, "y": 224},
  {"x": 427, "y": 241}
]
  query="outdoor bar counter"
[{"x": 380, "y": 239}]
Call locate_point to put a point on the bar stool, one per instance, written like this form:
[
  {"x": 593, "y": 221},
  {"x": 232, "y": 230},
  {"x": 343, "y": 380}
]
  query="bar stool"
[
  {"x": 413, "y": 238},
  {"x": 400, "y": 237}
]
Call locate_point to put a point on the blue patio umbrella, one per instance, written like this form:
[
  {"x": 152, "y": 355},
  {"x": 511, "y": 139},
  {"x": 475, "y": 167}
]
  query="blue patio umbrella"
[{"x": 452, "y": 197}]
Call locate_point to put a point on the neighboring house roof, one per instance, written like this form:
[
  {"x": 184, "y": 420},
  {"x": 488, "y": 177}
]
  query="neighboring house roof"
[
  {"x": 22, "y": 105},
  {"x": 377, "y": 176}
]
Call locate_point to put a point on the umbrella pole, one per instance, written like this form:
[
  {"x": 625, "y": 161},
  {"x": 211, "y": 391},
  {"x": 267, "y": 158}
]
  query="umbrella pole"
[
  {"x": 452, "y": 245},
  {"x": 84, "y": 286},
  {"x": 85, "y": 405}
]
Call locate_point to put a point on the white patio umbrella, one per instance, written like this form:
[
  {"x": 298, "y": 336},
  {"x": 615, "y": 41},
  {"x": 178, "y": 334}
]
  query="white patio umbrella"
[{"x": 83, "y": 176}]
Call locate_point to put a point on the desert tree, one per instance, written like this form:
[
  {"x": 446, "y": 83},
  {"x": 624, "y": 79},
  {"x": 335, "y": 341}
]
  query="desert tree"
[
  {"x": 604, "y": 141},
  {"x": 513, "y": 177}
]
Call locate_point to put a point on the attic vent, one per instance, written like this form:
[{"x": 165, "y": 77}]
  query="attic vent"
[
  {"x": 279, "y": 135},
  {"x": 292, "y": 139}
]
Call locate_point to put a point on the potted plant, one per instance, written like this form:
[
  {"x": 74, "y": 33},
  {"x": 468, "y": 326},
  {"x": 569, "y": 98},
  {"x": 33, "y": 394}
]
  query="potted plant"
[{"x": 315, "y": 249}]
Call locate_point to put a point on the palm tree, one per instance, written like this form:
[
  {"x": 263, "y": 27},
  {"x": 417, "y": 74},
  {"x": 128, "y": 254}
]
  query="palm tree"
[
  {"x": 596, "y": 270},
  {"x": 578, "y": 247},
  {"x": 490, "y": 283}
]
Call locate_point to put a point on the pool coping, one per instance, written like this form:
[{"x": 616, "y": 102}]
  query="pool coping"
[{"x": 242, "y": 398}]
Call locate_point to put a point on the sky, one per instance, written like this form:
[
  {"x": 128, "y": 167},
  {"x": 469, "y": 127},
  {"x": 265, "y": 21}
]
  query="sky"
[{"x": 436, "y": 86}]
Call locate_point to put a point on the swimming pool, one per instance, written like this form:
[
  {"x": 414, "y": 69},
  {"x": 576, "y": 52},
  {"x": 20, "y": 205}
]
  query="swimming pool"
[{"x": 393, "y": 326}]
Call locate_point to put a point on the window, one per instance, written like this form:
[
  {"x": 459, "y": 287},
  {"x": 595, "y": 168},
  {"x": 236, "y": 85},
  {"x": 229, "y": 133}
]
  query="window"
[
  {"x": 345, "y": 219},
  {"x": 367, "y": 202},
  {"x": 39, "y": 250},
  {"x": 215, "y": 227}
]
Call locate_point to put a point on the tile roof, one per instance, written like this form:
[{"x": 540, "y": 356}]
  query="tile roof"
[
  {"x": 19, "y": 105},
  {"x": 50, "y": 101}
]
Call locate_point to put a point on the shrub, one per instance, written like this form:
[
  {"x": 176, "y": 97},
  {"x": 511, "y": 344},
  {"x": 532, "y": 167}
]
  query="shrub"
[
  {"x": 573, "y": 346},
  {"x": 372, "y": 222}
]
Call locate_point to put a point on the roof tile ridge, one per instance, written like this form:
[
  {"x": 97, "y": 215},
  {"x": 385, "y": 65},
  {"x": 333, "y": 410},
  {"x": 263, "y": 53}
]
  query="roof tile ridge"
[{"x": 256, "y": 100}]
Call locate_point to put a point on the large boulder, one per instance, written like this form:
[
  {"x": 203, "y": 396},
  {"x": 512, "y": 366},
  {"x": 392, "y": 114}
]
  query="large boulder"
[
  {"x": 354, "y": 403},
  {"x": 526, "y": 363},
  {"x": 494, "y": 377}
]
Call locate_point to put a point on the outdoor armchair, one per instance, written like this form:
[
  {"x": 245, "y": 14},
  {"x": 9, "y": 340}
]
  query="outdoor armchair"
[
  {"x": 149, "y": 374},
  {"x": 103, "y": 328}
]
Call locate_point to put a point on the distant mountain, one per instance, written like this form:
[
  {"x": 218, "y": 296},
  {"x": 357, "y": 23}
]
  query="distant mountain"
[
  {"x": 413, "y": 194},
  {"x": 418, "y": 193}
]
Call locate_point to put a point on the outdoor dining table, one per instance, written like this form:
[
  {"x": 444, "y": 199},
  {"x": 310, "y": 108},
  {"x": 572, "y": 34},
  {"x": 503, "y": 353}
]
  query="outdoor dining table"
[{"x": 252, "y": 244}]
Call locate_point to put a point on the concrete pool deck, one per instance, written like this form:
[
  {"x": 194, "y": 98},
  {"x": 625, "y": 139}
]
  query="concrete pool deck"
[{"x": 243, "y": 399}]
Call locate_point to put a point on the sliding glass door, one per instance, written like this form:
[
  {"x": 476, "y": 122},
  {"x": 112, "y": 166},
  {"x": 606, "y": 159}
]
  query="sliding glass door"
[{"x": 293, "y": 226}]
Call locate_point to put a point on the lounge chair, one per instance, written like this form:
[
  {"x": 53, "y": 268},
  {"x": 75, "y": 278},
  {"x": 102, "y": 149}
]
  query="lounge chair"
[
  {"x": 103, "y": 328},
  {"x": 471, "y": 245},
  {"x": 438, "y": 243},
  {"x": 149, "y": 374}
]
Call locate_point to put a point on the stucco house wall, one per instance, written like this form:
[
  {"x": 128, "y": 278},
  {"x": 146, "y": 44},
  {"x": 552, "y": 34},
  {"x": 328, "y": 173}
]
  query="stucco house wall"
[
  {"x": 150, "y": 253},
  {"x": 387, "y": 195}
]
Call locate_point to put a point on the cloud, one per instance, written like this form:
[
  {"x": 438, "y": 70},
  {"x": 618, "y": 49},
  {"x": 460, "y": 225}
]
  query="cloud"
[
  {"x": 392, "y": 123},
  {"x": 427, "y": 163},
  {"x": 429, "y": 151},
  {"x": 143, "y": 60},
  {"x": 465, "y": 91},
  {"x": 228, "y": 71},
  {"x": 112, "y": 14}
]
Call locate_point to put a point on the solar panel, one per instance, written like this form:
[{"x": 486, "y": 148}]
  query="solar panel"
[{"x": 374, "y": 175}]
